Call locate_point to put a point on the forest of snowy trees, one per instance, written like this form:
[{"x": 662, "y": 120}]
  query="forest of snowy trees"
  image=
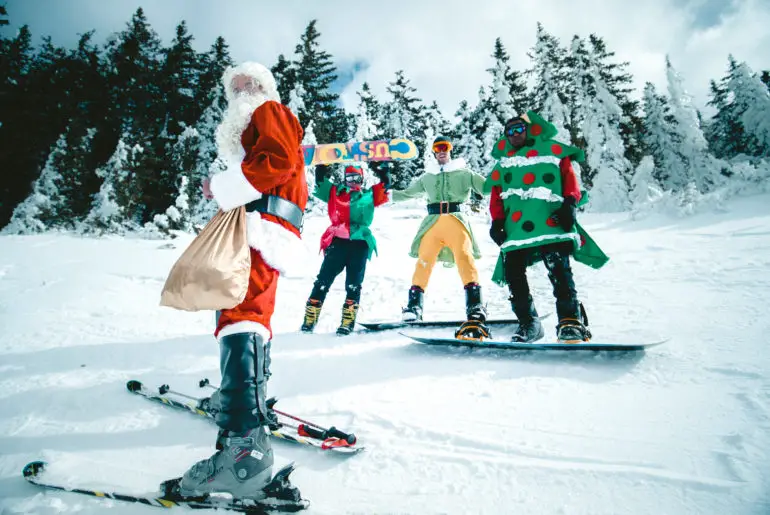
[{"x": 118, "y": 137}]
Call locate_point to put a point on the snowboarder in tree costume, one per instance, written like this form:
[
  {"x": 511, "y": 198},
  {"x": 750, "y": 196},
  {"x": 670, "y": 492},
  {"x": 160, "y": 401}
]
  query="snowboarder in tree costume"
[
  {"x": 348, "y": 243},
  {"x": 534, "y": 199},
  {"x": 445, "y": 235},
  {"x": 259, "y": 138}
]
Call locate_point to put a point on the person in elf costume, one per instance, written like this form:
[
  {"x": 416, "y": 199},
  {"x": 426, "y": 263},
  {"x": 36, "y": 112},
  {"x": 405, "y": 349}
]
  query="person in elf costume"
[
  {"x": 534, "y": 198},
  {"x": 348, "y": 243},
  {"x": 259, "y": 138},
  {"x": 445, "y": 235}
]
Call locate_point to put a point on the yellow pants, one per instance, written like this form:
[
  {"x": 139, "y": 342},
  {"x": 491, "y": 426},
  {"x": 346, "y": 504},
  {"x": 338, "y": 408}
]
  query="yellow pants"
[{"x": 446, "y": 232}]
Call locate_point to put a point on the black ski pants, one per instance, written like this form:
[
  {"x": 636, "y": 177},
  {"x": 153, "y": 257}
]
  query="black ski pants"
[
  {"x": 556, "y": 260},
  {"x": 342, "y": 254}
]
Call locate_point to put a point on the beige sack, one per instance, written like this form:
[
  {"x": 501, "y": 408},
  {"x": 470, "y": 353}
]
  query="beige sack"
[{"x": 213, "y": 272}]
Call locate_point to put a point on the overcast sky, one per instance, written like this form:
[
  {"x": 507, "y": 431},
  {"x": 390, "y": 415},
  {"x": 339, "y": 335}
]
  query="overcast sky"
[{"x": 444, "y": 46}]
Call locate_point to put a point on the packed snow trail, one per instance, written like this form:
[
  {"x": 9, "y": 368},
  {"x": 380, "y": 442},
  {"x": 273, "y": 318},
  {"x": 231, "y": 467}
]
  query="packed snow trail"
[{"x": 682, "y": 428}]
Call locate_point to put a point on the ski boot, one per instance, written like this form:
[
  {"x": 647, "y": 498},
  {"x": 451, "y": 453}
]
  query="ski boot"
[
  {"x": 349, "y": 312},
  {"x": 475, "y": 327},
  {"x": 413, "y": 310},
  {"x": 530, "y": 329},
  {"x": 243, "y": 462},
  {"x": 312, "y": 312},
  {"x": 242, "y": 466}
]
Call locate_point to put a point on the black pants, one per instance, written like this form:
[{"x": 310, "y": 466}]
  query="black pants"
[
  {"x": 556, "y": 259},
  {"x": 342, "y": 254}
]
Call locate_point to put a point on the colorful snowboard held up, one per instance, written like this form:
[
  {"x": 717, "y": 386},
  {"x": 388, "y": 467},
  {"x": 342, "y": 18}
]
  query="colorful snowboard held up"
[{"x": 398, "y": 149}]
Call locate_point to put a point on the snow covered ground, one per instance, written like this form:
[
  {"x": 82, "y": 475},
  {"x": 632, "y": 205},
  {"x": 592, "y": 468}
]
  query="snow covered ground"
[{"x": 684, "y": 428}]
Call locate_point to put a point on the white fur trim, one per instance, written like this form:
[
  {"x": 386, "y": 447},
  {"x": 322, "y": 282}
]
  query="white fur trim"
[
  {"x": 509, "y": 162},
  {"x": 256, "y": 71},
  {"x": 539, "y": 192},
  {"x": 280, "y": 247},
  {"x": 544, "y": 238},
  {"x": 451, "y": 166},
  {"x": 231, "y": 189},
  {"x": 245, "y": 326}
]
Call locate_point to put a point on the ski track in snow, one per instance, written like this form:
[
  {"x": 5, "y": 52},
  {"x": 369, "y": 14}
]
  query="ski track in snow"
[{"x": 682, "y": 428}]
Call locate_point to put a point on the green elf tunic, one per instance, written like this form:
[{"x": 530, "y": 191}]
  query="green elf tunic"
[
  {"x": 531, "y": 185},
  {"x": 453, "y": 183}
]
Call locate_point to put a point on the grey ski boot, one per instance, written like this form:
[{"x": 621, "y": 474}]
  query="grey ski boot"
[{"x": 243, "y": 463}]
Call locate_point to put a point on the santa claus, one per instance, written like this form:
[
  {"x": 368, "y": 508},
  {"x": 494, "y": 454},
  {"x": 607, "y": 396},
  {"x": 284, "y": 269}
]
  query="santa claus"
[{"x": 259, "y": 139}]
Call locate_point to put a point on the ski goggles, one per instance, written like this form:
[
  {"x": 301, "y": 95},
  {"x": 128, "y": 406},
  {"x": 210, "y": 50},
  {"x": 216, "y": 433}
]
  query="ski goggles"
[
  {"x": 442, "y": 146},
  {"x": 354, "y": 178},
  {"x": 517, "y": 128}
]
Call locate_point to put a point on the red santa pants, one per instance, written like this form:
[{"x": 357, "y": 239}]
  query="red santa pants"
[{"x": 256, "y": 310}]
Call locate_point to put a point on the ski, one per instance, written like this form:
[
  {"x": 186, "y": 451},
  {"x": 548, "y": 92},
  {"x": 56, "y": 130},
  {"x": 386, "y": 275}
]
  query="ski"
[
  {"x": 167, "y": 499},
  {"x": 290, "y": 428},
  {"x": 384, "y": 326},
  {"x": 536, "y": 346}
]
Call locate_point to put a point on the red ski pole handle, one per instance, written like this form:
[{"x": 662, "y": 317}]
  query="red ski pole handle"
[{"x": 332, "y": 432}]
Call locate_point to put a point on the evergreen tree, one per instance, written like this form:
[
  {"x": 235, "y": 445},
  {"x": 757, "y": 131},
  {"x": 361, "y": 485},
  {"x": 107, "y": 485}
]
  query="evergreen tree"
[
  {"x": 468, "y": 134},
  {"x": 607, "y": 170},
  {"x": 370, "y": 108},
  {"x": 551, "y": 82},
  {"x": 40, "y": 210},
  {"x": 213, "y": 64},
  {"x": 724, "y": 131},
  {"x": 315, "y": 72},
  {"x": 706, "y": 169},
  {"x": 435, "y": 120},
  {"x": 766, "y": 78},
  {"x": 404, "y": 118},
  {"x": 115, "y": 207},
  {"x": 751, "y": 100},
  {"x": 285, "y": 77},
  {"x": 644, "y": 187},
  {"x": 180, "y": 72},
  {"x": 619, "y": 83},
  {"x": 662, "y": 141}
]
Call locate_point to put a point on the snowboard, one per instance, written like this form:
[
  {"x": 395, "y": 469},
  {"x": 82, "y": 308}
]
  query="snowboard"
[
  {"x": 398, "y": 324},
  {"x": 536, "y": 346},
  {"x": 398, "y": 149}
]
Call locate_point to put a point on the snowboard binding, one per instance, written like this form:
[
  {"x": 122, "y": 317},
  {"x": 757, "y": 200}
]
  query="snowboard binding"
[{"x": 473, "y": 330}]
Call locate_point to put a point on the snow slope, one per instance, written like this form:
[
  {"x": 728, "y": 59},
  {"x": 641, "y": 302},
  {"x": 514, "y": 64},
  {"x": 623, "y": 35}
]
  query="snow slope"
[{"x": 684, "y": 428}]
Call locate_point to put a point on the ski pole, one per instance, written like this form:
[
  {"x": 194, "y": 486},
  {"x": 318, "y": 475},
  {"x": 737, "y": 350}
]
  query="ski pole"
[
  {"x": 313, "y": 430},
  {"x": 164, "y": 389}
]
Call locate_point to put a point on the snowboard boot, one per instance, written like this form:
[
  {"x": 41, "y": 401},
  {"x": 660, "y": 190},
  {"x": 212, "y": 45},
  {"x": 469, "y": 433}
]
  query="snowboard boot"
[
  {"x": 530, "y": 329},
  {"x": 349, "y": 312},
  {"x": 242, "y": 465},
  {"x": 572, "y": 322},
  {"x": 475, "y": 328},
  {"x": 413, "y": 310},
  {"x": 572, "y": 330},
  {"x": 312, "y": 312}
]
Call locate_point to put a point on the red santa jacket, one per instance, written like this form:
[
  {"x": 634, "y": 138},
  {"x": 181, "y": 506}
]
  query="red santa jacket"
[{"x": 273, "y": 165}]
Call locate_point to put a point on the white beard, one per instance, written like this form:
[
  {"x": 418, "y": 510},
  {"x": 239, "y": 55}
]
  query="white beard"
[{"x": 235, "y": 120}]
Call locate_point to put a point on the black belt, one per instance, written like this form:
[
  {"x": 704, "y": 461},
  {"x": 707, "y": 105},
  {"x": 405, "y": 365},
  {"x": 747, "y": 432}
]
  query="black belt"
[
  {"x": 442, "y": 208},
  {"x": 280, "y": 207}
]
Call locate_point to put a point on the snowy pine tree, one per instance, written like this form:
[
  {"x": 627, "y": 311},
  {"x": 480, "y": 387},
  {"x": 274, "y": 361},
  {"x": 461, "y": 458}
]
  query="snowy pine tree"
[
  {"x": 115, "y": 203},
  {"x": 662, "y": 142},
  {"x": 551, "y": 82},
  {"x": 644, "y": 187},
  {"x": 41, "y": 208},
  {"x": 605, "y": 152},
  {"x": 751, "y": 100},
  {"x": 404, "y": 118},
  {"x": 706, "y": 170},
  {"x": 467, "y": 135}
]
